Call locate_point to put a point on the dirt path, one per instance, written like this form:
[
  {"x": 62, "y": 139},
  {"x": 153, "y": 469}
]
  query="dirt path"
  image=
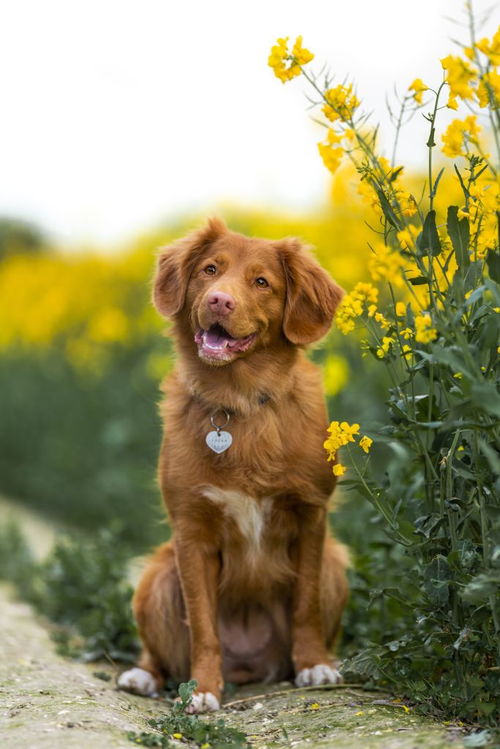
[{"x": 47, "y": 701}]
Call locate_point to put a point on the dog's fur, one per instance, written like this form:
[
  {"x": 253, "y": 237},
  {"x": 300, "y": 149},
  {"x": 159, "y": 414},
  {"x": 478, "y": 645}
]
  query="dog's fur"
[{"x": 251, "y": 587}]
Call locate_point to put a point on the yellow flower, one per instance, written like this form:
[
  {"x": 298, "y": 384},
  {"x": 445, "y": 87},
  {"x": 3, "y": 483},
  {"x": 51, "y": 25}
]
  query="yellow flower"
[
  {"x": 488, "y": 91},
  {"x": 424, "y": 332},
  {"x": 286, "y": 64},
  {"x": 340, "y": 434},
  {"x": 400, "y": 309},
  {"x": 177, "y": 735},
  {"x": 353, "y": 305},
  {"x": 491, "y": 49},
  {"x": 349, "y": 430},
  {"x": 300, "y": 53},
  {"x": 459, "y": 134},
  {"x": 407, "y": 333},
  {"x": 407, "y": 352},
  {"x": 418, "y": 87},
  {"x": 386, "y": 265},
  {"x": 382, "y": 321},
  {"x": 341, "y": 103},
  {"x": 459, "y": 74},
  {"x": 315, "y": 705},
  {"x": 385, "y": 347},
  {"x": 330, "y": 152},
  {"x": 406, "y": 237},
  {"x": 365, "y": 443}
]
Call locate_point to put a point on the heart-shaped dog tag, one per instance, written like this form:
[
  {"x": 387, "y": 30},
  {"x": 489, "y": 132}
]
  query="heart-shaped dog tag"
[{"x": 219, "y": 441}]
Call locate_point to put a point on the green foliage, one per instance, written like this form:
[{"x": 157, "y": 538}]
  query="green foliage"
[
  {"x": 177, "y": 724},
  {"x": 19, "y": 236},
  {"x": 82, "y": 587},
  {"x": 82, "y": 449}
]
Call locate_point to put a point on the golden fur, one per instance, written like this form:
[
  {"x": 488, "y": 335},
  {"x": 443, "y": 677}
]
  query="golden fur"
[{"x": 251, "y": 587}]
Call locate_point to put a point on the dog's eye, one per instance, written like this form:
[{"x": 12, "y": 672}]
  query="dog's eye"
[
  {"x": 261, "y": 282},
  {"x": 210, "y": 270}
]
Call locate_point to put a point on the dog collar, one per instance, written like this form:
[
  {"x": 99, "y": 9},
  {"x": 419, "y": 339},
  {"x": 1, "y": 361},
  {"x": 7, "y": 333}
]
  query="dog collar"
[{"x": 219, "y": 440}]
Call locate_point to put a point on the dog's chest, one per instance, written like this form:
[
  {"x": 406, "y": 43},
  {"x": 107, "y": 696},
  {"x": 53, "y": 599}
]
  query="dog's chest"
[{"x": 250, "y": 516}]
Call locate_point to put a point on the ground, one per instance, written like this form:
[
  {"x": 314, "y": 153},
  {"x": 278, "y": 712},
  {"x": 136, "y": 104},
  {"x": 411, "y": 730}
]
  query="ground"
[{"x": 50, "y": 701}]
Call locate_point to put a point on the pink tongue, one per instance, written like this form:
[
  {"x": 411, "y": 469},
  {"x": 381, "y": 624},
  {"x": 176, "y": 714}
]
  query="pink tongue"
[{"x": 215, "y": 340}]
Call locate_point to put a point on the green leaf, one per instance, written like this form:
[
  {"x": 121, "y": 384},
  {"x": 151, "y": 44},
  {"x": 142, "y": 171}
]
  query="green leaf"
[
  {"x": 493, "y": 263},
  {"x": 458, "y": 231},
  {"x": 436, "y": 577},
  {"x": 428, "y": 240},
  {"x": 418, "y": 280},
  {"x": 387, "y": 209},
  {"x": 486, "y": 397},
  {"x": 480, "y": 588}
]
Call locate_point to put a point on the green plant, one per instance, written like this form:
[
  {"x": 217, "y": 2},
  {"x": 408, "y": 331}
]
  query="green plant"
[
  {"x": 178, "y": 725},
  {"x": 82, "y": 587},
  {"x": 432, "y": 323}
]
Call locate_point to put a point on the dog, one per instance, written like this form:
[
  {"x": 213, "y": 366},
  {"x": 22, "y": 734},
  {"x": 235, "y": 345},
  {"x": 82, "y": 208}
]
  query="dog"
[{"x": 251, "y": 586}]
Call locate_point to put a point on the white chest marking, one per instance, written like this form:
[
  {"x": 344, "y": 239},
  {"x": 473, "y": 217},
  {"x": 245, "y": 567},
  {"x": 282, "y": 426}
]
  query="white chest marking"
[{"x": 248, "y": 513}]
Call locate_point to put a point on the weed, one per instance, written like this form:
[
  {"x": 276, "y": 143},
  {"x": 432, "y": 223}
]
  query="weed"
[{"x": 177, "y": 724}]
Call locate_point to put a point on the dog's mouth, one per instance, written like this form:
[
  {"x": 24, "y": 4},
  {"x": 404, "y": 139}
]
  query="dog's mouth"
[{"x": 217, "y": 344}]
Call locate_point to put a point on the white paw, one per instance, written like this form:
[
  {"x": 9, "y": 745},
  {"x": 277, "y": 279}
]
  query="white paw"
[
  {"x": 138, "y": 681},
  {"x": 203, "y": 702},
  {"x": 320, "y": 674}
]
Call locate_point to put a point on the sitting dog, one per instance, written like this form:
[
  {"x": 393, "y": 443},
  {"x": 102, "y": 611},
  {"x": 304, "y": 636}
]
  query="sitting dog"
[{"x": 251, "y": 587}]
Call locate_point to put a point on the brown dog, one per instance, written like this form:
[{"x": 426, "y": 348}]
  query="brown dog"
[{"x": 251, "y": 587}]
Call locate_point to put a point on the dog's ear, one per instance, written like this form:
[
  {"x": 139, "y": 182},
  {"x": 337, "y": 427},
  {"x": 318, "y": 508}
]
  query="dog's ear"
[
  {"x": 311, "y": 295},
  {"x": 175, "y": 266}
]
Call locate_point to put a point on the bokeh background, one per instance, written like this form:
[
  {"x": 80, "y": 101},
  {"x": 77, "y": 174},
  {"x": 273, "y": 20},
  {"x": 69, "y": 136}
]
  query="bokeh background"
[{"x": 125, "y": 125}]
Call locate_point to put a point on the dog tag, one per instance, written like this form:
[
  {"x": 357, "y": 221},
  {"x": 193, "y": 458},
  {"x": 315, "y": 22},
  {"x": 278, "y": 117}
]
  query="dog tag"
[{"x": 219, "y": 441}]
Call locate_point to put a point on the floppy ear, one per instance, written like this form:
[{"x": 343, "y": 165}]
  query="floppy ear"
[
  {"x": 175, "y": 266},
  {"x": 311, "y": 295}
]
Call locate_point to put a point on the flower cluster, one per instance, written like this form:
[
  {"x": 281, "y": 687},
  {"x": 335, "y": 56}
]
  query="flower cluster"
[
  {"x": 341, "y": 434},
  {"x": 341, "y": 103},
  {"x": 287, "y": 64},
  {"x": 424, "y": 332},
  {"x": 471, "y": 79},
  {"x": 354, "y": 304},
  {"x": 386, "y": 265},
  {"x": 418, "y": 87},
  {"x": 459, "y": 75},
  {"x": 331, "y": 152},
  {"x": 458, "y": 136}
]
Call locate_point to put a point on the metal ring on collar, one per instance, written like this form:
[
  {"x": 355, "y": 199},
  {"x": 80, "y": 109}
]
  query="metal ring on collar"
[{"x": 212, "y": 419}]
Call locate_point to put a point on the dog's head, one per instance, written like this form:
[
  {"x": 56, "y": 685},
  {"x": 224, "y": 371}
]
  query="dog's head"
[{"x": 237, "y": 294}]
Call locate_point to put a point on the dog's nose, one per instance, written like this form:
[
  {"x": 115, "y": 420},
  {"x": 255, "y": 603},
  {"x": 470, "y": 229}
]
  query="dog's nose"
[{"x": 221, "y": 303}]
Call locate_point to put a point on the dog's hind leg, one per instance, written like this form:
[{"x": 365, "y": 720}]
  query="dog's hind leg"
[{"x": 160, "y": 615}]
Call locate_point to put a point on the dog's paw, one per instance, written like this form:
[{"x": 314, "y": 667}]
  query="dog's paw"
[
  {"x": 138, "y": 681},
  {"x": 320, "y": 674},
  {"x": 203, "y": 702}
]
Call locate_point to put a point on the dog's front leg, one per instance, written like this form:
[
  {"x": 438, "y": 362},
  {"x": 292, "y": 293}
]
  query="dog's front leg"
[
  {"x": 198, "y": 566},
  {"x": 310, "y": 657}
]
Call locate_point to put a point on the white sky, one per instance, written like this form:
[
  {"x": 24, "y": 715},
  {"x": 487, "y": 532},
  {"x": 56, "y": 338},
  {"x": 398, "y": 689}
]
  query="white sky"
[{"x": 117, "y": 114}]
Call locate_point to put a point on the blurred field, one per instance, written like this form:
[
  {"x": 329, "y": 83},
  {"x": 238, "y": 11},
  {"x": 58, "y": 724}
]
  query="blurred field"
[{"x": 82, "y": 355}]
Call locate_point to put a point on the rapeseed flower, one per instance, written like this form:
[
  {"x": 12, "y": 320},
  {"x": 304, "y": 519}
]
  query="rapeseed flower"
[
  {"x": 459, "y": 75},
  {"x": 491, "y": 49},
  {"x": 287, "y": 64},
  {"x": 354, "y": 304},
  {"x": 341, "y": 103},
  {"x": 386, "y": 265},
  {"x": 424, "y": 332},
  {"x": 365, "y": 443},
  {"x": 331, "y": 152},
  {"x": 418, "y": 87},
  {"x": 459, "y": 134}
]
